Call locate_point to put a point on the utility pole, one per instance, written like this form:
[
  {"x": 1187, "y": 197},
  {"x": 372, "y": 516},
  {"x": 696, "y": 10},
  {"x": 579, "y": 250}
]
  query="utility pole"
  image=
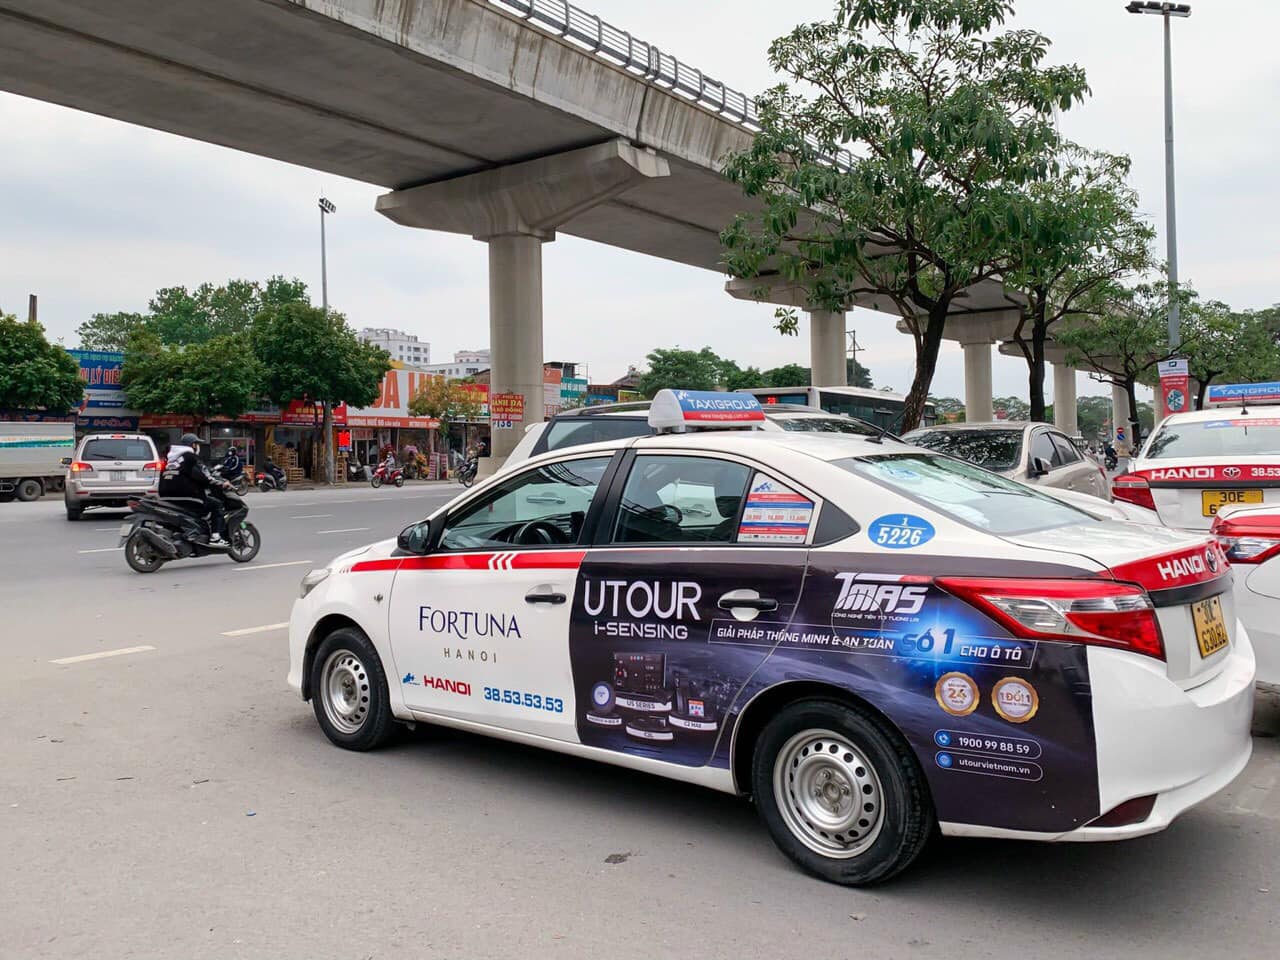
[
  {"x": 31, "y": 308},
  {"x": 326, "y": 430},
  {"x": 325, "y": 207},
  {"x": 853, "y": 349}
]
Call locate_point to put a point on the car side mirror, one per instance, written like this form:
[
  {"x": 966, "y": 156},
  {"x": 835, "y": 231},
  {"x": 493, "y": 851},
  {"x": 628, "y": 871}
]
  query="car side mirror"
[
  {"x": 415, "y": 538},
  {"x": 1039, "y": 466},
  {"x": 65, "y": 461}
]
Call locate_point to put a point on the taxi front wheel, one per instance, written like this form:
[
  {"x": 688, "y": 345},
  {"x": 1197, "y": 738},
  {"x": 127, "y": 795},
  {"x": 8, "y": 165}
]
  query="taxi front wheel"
[
  {"x": 349, "y": 692},
  {"x": 841, "y": 792}
]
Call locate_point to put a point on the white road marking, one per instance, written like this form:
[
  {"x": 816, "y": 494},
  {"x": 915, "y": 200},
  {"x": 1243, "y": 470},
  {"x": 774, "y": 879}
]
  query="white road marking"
[
  {"x": 312, "y": 516},
  {"x": 98, "y": 656},
  {"x": 265, "y": 628},
  {"x": 106, "y": 529},
  {"x": 101, "y": 550},
  {"x": 346, "y": 530},
  {"x": 268, "y": 566}
]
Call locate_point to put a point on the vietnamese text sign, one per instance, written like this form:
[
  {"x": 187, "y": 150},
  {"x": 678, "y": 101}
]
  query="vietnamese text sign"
[
  {"x": 505, "y": 410},
  {"x": 100, "y": 373}
]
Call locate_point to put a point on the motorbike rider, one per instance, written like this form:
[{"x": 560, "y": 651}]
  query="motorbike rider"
[
  {"x": 232, "y": 465},
  {"x": 185, "y": 477},
  {"x": 389, "y": 464}
]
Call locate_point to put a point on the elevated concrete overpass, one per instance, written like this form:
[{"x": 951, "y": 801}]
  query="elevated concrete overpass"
[{"x": 506, "y": 120}]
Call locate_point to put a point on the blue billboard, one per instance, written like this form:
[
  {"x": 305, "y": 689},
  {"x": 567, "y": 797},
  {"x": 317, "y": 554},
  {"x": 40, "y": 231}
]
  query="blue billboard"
[{"x": 100, "y": 372}]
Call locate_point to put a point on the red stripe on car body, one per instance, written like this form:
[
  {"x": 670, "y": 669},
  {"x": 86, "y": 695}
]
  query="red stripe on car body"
[
  {"x": 504, "y": 560},
  {"x": 1177, "y": 568}
]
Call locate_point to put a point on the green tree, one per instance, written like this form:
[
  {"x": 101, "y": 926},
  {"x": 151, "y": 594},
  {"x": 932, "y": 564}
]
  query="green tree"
[
  {"x": 308, "y": 354},
  {"x": 744, "y": 379},
  {"x": 676, "y": 369},
  {"x": 1125, "y": 337},
  {"x": 857, "y": 374},
  {"x": 788, "y": 375},
  {"x": 1083, "y": 230},
  {"x": 109, "y": 331},
  {"x": 220, "y": 377},
  {"x": 1093, "y": 417},
  {"x": 34, "y": 373},
  {"x": 1228, "y": 346},
  {"x": 448, "y": 401},
  {"x": 948, "y": 409},
  {"x": 1014, "y": 408},
  {"x": 899, "y": 163}
]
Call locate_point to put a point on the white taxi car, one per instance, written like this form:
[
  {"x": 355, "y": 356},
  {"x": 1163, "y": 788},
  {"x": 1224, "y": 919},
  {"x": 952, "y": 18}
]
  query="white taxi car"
[
  {"x": 870, "y": 639},
  {"x": 1250, "y": 537},
  {"x": 1196, "y": 463}
]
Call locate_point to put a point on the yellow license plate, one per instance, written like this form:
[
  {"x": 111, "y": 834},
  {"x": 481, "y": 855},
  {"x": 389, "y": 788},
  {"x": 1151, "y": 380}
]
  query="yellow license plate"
[
  {"x": 1212, "y": 500},
  {"x": 1211, "y": 629}
]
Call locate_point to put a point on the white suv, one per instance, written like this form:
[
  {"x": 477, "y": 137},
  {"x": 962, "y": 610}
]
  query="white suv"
[{"x": 110, "y": 469}]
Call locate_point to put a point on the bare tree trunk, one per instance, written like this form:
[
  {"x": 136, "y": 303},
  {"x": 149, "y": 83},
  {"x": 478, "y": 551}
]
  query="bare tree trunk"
[
  {"x": 1039, "y": 332},
  {"x": 1135, "y": 424},
  {"x": 926, "y": 364},
  {"x": 326, "y": 439}
]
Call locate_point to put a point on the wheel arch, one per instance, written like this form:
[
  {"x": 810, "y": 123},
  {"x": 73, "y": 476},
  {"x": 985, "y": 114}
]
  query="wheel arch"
[
  {"x": 326, "y": 625},
  {"x": 765, "y": 705}
]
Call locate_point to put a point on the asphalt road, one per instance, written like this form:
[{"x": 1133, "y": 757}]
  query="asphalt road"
[{"x": 178, "y": 801}]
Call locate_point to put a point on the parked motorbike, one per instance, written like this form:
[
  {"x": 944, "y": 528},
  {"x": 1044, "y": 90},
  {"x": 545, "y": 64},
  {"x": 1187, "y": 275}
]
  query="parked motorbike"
[
  {"x": 271, "y": 477},
  {"x": 162, "y": 530},
  {"x": 355, "y": 471},
  {"x": 383, "y": 475},
  {"x": 467, "y": 472},
  {"x": 240, "y": 482}
]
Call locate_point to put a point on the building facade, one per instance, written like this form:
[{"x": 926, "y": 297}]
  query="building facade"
[
  {"x": 402, "y": 346},
  {"x": 466, "y": 363}
]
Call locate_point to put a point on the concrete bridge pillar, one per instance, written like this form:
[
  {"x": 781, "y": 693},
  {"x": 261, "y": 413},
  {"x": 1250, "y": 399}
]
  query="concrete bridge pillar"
[
  {"x": 827, "y": 348},
  {"x": 1064, "y": 399},
  {"x": 515, "y": 210},
  {"x": 977, "y": 379}
]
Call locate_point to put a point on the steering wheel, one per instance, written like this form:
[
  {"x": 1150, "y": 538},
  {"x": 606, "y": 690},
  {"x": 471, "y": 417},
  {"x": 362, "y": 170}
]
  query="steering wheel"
[{"x": 537, "y": 532}]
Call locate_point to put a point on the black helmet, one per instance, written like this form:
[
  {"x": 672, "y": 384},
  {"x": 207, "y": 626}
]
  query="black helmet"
[{"x": 190, "y": 440}]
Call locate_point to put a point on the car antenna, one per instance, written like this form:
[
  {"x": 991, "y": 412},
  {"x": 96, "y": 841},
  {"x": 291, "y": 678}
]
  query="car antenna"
[{"x": 884, "y": 432}]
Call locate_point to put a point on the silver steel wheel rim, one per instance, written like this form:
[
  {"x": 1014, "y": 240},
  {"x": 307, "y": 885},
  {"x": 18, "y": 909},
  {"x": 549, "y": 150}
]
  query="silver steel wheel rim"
[
  {"x": 344, "y": 691},
  {"x": 828, "y": 794},
  {"x": 242, "y": 541}
]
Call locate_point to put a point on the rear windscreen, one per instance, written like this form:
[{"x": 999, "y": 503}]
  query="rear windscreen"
[
  {"x": 966, "y": 493},
  {"x": 815, "y": 424},
  {"x": 1238, "y": 436},
  {"x": 575, "y": 431},
  {"x": 993, "y": 449},
  {"x": 112, "y": 448}
]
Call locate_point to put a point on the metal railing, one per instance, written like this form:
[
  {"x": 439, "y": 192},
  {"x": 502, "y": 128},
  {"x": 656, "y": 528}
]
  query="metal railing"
[
  {"x": 648, "y": 62},
  {"x": 643, "y": 59}
]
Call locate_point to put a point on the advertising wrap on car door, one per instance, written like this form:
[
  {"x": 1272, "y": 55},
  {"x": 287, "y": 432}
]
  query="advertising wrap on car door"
[{"x": 666, "y": 657}]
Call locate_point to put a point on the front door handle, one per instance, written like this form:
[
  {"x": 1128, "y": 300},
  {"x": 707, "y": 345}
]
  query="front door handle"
[
  {"x": 537, "y": 596},
  {"x": 763, "y": 604}
]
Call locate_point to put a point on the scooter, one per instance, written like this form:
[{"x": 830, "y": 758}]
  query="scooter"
[
  {"x": 382, "y": 475},
  {"x": 271, "y": 477},
  {"x": 467, "y": 472},
  {"x": 240, "y": 482},
  {"x": 161, "y": 530}
]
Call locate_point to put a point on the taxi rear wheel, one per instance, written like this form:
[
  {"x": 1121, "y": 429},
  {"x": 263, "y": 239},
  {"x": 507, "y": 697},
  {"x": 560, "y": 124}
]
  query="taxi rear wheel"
[
  {"x": 349, "y": 692},
  {"x": 841, "y": 792}
]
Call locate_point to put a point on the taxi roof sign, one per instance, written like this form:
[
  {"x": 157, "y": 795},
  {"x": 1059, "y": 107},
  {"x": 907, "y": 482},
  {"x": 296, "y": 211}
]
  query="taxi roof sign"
[
  {"x": 681, "y": 409},
  {"x": 1241, "y": 393}
]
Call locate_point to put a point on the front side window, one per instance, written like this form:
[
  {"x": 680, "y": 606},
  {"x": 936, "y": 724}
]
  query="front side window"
[
  {"x": 542, "y": 507},
  {"x": 966, "y": 493},
  {"x": 1067, "y": 451},
  {"x": 1042, "y": 447},
  {"x": 672, "y": 499},
  {"x": 993, "y": 449}
]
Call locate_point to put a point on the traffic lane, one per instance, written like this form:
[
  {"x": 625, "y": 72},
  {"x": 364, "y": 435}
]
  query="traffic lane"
[{"x": 222, "y": 788}]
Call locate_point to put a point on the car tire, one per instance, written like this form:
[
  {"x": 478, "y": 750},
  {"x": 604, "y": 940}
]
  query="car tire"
[
  {"x": 349, "y": 692},
  {"x": 841, "y": 792},
  {"x": 74, "y": 513},
  {"x": 29, "y": 490}
]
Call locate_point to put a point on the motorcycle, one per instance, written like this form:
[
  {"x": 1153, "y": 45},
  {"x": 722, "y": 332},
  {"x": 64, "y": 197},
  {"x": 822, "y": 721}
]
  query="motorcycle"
[
  {"x": 271, "y": 477},
  {"x": 239, "y": 483},
  {"x": 382, "y": 475},
  {"x": 1111, "y": 458},
  {"x": 161, "y": 530},
  {"x": 467, "y": 472}
]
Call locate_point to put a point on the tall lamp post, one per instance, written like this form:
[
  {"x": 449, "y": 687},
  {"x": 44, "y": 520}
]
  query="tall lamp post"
[
  {"x": 1168, "y": 11},
  {"x": 325, "y": 207}
]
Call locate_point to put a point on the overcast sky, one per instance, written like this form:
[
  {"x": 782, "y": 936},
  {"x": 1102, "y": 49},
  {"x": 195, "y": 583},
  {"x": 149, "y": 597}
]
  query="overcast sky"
[{"x": 95, "y": 215}]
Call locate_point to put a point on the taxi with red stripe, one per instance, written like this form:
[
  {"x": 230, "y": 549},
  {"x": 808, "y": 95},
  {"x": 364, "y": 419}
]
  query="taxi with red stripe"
[
  {"x": 873, "y": 641},
  {"x": 1195, "y": 464}
]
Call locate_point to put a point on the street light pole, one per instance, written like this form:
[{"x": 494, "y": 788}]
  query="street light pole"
[
  {"x": 325, "y": 207},
  {"x": 1168, "y": 11}
]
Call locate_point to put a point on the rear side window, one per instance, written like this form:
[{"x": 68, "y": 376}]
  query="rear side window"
[
  {"x": 576, "y": 431},
  {"x": 966, "y": 493},
  {"x": 671, "y": 499},
  {"x": 113, "y": 448}
]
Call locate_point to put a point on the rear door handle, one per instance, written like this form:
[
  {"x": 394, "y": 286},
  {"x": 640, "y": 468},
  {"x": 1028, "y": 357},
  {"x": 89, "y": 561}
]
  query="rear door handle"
[
  {"x": 763, "y": 604},
  {"x": 550, "y": 597}
]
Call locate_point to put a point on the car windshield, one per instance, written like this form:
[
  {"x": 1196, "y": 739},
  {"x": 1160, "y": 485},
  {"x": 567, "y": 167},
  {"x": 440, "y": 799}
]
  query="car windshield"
[
  {"x": 993, "y": 449},
  {"x": 117, "y": 448},
  {"x": 816, "y": 423},
  {"x": 576, "y": 431},
  {"x": 1243, "y": 436},
  {"x": 966, "y": 493}
]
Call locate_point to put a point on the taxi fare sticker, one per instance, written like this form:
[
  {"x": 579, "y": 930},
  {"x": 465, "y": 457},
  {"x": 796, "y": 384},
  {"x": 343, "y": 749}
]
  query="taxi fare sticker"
[{"x": 774, "y": 514}]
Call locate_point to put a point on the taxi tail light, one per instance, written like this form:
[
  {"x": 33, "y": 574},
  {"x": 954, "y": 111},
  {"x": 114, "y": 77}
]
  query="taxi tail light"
[
  {"x": 1134, "y": 489},
  {"x": 1097, "y": 612},
  {"x": 1248, "y": 539},
  {"x": 79, "y": 466},
  {"x": 1128, "y": 813}
]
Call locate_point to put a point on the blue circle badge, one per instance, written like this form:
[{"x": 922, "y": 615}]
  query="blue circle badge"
[{"x": 900, "y": 531}]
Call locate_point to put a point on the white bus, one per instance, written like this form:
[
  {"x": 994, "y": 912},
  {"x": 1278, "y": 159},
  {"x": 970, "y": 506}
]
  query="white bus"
[{"x": 882, "y": 409}]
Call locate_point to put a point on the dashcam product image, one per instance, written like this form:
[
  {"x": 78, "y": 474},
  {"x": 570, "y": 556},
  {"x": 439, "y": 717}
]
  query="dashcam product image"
[
  {"x": 602, "y": 703},
  {"x": 639, "y": 682},
  {"x": 693, "y": 711},
  {"x": 649, "y": 728}
]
